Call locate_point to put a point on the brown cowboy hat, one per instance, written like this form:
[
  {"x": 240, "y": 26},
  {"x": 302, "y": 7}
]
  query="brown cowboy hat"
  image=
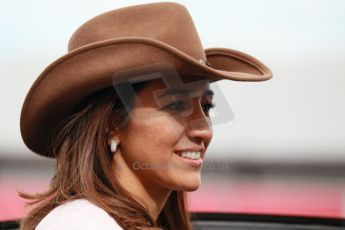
[{"x": 118, "y": 40}]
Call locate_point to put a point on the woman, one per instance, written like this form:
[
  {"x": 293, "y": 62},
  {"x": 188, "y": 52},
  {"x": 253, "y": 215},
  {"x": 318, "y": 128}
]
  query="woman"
[{"x": 125, "y": 114}]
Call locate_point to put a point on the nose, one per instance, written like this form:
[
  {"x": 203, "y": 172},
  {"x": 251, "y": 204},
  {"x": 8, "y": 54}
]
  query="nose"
[{"x": 200, "y": 126}]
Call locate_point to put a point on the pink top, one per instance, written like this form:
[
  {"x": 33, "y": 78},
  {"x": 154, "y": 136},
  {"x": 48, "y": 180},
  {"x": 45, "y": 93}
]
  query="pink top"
[{"x": 78, "y": 214}]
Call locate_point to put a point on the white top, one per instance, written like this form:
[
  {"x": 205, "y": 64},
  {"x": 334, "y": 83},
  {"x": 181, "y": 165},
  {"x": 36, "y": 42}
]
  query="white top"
[{"x": 78, "y": 214}]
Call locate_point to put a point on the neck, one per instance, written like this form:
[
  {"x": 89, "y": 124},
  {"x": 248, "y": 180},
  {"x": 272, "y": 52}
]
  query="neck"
[{"x": 151, "y": 196}]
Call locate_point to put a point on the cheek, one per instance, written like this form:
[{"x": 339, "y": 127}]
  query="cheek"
[{"x": 153, "y": 140}]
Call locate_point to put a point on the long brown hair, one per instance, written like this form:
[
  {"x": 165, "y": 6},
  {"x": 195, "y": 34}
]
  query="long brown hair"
[{"x": 83, "y": 170}]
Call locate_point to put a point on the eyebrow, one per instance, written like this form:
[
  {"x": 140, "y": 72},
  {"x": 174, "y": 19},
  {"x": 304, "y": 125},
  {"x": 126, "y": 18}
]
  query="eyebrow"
[{"x": 207, "y": 92}]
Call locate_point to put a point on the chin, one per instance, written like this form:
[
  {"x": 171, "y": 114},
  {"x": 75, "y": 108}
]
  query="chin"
[
  {"x": 186, "y": 188},
  {"x": 191, "y": 189},
  {"x": 190, "y": 184}
]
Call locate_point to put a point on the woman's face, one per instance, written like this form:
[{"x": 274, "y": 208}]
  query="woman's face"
[{"x": 165, "y": 131}]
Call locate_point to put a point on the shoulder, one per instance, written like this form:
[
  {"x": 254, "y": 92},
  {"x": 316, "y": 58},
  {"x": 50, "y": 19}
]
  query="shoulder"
[{"x": 78, "y": 214}]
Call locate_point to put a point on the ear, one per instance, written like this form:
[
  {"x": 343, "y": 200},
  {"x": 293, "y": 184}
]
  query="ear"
[{"x": 235, "y": 61}]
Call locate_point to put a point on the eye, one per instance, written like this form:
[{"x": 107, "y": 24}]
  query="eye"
[
  {"x": 206, "y": 107},
  {"x": 177, "y": 106}
]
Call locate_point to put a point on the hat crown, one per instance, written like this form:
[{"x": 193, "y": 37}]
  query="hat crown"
[{"x": 166, "y": 22}]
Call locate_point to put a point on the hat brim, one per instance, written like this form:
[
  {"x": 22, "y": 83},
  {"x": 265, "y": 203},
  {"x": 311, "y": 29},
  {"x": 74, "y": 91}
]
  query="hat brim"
[{"x": 81, "y": 72}]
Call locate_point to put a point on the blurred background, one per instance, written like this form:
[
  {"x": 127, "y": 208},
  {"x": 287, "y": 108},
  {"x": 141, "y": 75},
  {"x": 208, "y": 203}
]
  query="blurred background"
[{"x": 285, "y": 153}]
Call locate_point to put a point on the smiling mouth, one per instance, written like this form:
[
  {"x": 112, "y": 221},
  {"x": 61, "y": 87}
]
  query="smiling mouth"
[
  {"x": 192, "y": 158},
  {"x": 192, "y": 155}
]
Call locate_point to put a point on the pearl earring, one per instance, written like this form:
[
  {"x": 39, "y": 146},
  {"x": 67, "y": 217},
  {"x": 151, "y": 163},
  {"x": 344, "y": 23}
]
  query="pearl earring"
[{"x": 113, "y": 145}]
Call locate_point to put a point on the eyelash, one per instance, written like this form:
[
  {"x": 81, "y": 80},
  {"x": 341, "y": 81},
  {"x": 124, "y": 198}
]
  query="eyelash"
[{"x": 206, "y": 107}]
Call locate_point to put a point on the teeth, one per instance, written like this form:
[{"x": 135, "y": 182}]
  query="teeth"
[{"x": 191, "y": 155}]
